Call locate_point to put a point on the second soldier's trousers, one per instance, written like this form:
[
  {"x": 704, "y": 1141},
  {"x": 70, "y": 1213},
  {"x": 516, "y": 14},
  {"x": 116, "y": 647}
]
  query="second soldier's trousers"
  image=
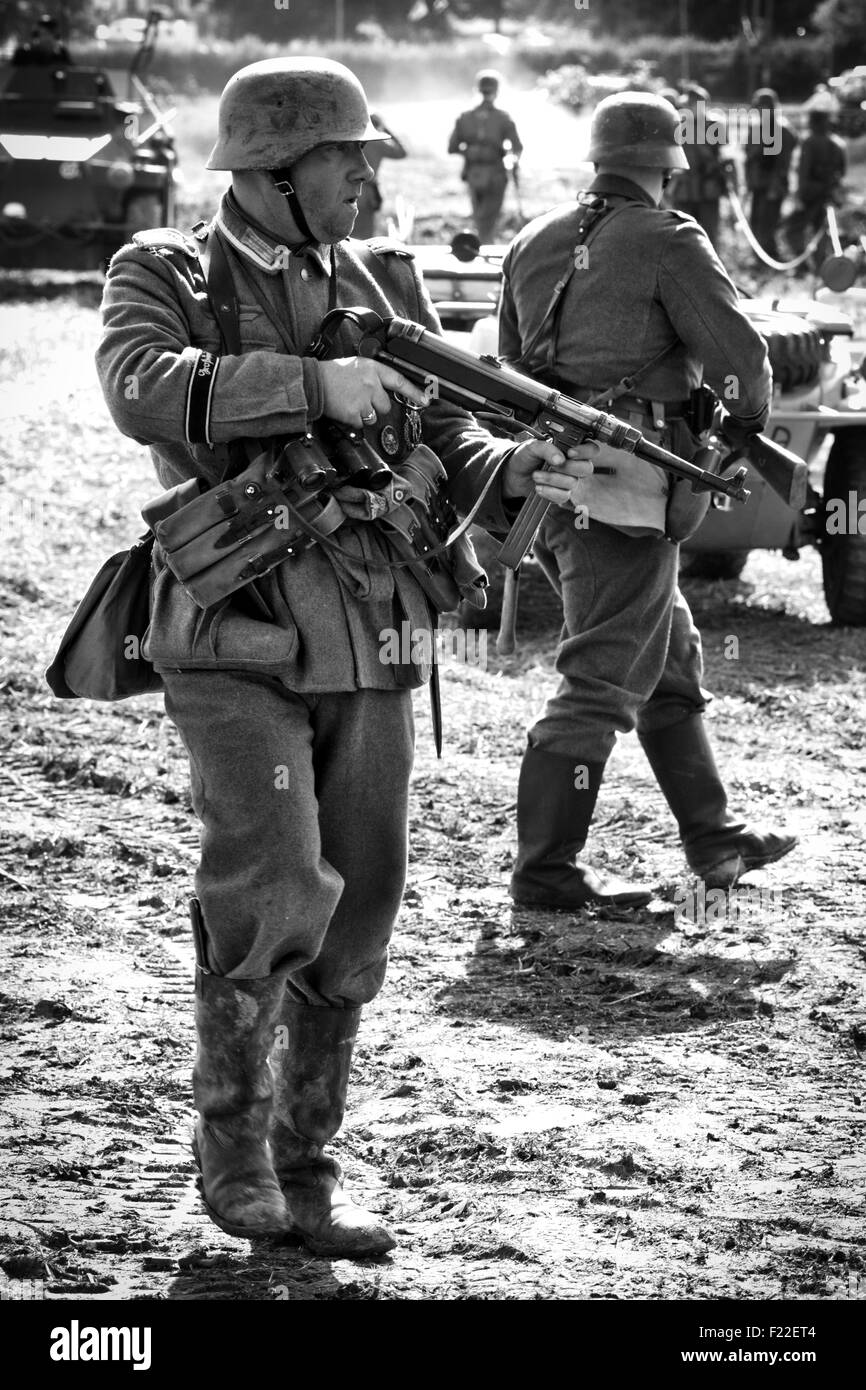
[
  {"x": 629, "y": 654},
  {"x": 486, "y": 184},
  {"x": 303, "y": 803}
]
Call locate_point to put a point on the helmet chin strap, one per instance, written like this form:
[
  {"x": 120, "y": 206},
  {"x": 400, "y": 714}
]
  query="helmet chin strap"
[{"x": 284, "y": 185}]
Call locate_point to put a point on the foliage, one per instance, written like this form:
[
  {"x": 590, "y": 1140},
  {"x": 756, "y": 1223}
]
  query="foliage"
[
  {"x": 573, "y": 86},
  {"x": 789, "y": 65},
  {"x": 843, "y": 23},
  {"x": 394, "y": 70}
]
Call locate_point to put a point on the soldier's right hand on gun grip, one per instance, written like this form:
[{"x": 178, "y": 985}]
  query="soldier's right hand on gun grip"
[{"x": 354, "y": 388}]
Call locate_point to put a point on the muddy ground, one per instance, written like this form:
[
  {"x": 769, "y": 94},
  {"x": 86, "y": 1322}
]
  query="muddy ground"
[{"x": 665, "y": 1104}]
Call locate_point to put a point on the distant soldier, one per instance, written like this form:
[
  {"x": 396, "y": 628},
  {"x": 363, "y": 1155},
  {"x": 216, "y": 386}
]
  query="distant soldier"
[
  {"x": 698, "y": 190},
  {"x": 45, "y": 45},
  {"x": 768, "y": 165},
  {"x": 482, "y": 136},
  {"x": 370, "y": 200},
  {"x": 823, "y": 164}
]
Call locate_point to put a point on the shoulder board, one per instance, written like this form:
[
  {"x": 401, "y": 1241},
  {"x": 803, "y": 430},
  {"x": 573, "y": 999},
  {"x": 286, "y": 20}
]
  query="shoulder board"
[
  {"x": 163, "y": 240},
  {"x": 679, "y": 216},
  {"x": 383, "y": 246}
]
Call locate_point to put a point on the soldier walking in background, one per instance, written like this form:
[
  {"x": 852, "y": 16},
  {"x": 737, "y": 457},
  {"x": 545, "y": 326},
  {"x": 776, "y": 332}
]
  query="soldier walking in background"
[
  {"x": 483, "y": 136},
  {"x": 823, "y": 165},
  {"x": 370, "y": 200},
  {"x": 650, "y": 303},
  {"x": 768, "y": 164},
  {"x": 698, "y": 191}
]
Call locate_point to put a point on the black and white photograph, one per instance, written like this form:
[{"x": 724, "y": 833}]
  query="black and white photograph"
[{"x": 433, "y": 667}]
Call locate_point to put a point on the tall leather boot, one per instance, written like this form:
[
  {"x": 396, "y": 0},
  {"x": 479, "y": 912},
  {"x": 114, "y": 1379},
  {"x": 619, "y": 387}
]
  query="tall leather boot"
[
  {"x": 719, "y": 849},
  {"x": 311, "y": 1061},
  {"x": 233, "y": 1092},
  {"x": 553, "y": 819}
]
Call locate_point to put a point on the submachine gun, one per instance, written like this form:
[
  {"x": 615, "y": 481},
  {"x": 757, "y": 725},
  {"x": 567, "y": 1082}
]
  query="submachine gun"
[{"x": 501, "y": 396}]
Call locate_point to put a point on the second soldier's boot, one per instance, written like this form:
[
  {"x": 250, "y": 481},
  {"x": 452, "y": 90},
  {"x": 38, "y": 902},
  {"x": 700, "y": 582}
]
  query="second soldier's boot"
[
  {"x": 311, "y": 1061},
  {"x": 553, "y": 819},
  {"x": 719, "y": 849},
  {"x": 233, "y": 1092}
]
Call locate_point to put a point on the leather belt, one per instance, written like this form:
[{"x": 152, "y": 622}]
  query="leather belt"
[{"x": 628, "y": 402}]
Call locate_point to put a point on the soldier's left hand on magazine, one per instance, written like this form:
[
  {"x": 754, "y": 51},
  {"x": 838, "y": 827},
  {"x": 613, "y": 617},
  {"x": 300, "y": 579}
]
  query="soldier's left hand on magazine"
[{"x": 522, "y": 473}]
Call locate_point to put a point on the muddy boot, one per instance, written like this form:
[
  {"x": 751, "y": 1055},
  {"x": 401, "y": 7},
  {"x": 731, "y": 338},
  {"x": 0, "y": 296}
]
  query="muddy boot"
[
  {"x": 311, "y": 1062},
  {"x": 233, "y": 1091},
  {"x": 719, "y": 849},
  {"x": 553, "y": 818}
]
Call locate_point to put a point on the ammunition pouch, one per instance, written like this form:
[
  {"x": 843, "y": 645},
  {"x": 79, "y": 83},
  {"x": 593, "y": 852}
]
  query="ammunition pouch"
[
  {"x": 419, "y": 525},
  {"x": 686, "y": 508},
  {"x": 217, "y": 539}
]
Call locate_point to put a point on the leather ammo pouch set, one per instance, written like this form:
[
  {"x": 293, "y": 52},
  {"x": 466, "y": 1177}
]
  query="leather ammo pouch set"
[{"x": 216, "y": 540}]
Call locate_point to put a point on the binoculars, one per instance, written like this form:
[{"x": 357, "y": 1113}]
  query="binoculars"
[{"x": 338, "y": 454}]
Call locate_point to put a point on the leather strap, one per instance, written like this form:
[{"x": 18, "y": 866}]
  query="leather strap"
[{"x": 586, "y": 232}]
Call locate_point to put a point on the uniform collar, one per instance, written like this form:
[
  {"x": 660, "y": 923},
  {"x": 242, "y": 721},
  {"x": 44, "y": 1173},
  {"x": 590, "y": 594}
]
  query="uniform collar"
[
  {"x": 259, "y": 246},
  {"x": 612, "y": 183}
]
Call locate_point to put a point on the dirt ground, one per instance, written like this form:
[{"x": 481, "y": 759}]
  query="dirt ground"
[
  {"x": 656, "y": 1104},
  {"x": 664, "y": 1104}
]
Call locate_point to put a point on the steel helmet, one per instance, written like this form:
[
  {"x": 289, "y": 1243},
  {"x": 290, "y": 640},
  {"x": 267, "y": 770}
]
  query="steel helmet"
[
  {"x": 273, "y": 112},
  {"x": 693, "y": 93},
  {"x": 822, "y": 102},
  {"x": 766, "y": 96},
  {"x": 636, "y": 128},
  {"x": 487, "y": 77}
]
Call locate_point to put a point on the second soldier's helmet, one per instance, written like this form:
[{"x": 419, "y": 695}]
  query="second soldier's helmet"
[
  {"x": 273, "y": 112},
  {"x": 636, "y": 128},
  {"x": 766, "y": 97}
]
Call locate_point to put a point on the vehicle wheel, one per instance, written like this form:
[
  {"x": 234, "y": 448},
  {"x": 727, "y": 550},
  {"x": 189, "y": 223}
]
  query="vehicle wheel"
[
  {"x": 843, "y": 554},
  {"x": 714, "y": 564},
  {"x": 793, "y": 346}
]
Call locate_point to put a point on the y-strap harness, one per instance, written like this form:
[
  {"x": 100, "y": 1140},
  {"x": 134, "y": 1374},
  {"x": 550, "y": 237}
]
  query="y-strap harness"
[{"x": 594, "y": 209}]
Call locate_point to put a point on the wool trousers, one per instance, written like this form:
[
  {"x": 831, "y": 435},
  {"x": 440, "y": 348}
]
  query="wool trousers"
[
  {"x": 629, "y": 654},
  {"x": 303, "y": 804}
]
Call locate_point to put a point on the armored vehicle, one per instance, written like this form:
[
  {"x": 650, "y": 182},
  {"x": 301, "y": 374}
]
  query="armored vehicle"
[{"x": 80, "y": 170}]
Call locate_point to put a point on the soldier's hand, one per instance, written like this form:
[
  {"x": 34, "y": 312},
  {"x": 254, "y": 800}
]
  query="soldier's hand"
[
  {"x": 522, "y": 476},
  {"x": 355, "y": 389}
]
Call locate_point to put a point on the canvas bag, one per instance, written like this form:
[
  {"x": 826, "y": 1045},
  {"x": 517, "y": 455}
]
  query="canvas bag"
[{"x": 99, "y": 657}]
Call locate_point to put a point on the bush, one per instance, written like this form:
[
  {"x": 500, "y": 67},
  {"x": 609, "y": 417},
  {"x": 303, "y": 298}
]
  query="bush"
[
  {"x": 391, "y": 71},
  {"x": 792, "y": 66},
  {"x": 399, "y": 71},
  {"x": 573, "y": 86}
]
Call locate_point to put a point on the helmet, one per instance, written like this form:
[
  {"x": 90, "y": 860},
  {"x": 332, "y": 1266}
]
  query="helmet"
[
  {"x": 487, "y": 77},
  {"x": 822, "y": 102},
  {"x": 766, "y": 96},
  {"x": 273, "y": 112},
  {"x": 636, "y": 128},
  {"x": 693, "y": 93}
]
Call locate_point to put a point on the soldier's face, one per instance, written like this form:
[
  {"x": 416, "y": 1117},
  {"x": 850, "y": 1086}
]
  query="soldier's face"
[{"x": 328, "y": 182}]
